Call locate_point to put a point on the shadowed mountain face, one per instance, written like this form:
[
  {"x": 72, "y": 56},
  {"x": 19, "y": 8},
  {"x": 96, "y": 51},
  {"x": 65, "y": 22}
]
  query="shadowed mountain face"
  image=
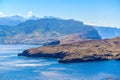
[
  {"x": 56, "y": 25},
  {"x": 40, "y": 30},
  {"x": 82, "y": 51},
  {"x": 108, "y": 32}
]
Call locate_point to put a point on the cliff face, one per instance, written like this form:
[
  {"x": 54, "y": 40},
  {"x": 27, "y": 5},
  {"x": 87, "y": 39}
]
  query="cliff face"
[{"x": 82, "y": 51}]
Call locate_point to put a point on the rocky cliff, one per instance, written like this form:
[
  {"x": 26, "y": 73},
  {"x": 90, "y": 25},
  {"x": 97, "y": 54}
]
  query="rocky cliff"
[{"x": 81, "y": 51}]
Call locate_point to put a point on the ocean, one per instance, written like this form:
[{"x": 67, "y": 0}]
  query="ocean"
[{"x": 13, "y": 67}]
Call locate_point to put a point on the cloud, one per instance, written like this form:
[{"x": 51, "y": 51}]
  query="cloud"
[
  {"x": 2, "y": 14},
  {"x": 30, "y": 13}
]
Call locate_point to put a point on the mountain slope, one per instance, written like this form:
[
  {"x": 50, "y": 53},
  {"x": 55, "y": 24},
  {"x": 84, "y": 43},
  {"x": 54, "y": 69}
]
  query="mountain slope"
[
  {"x": 82, "y": 51},
  {"x": 108, "y": 32},
  {"x": 40, "y": 30},
  {"x": 11, "y": 21}
]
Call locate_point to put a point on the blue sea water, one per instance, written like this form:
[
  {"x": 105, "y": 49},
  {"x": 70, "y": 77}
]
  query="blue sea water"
[{"x": 13, "y": 67}]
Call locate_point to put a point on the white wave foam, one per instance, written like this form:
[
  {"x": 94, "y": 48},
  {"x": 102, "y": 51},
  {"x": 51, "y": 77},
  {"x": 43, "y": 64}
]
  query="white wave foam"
[
  {"x": 31, "y": 65},
  {"x": 50, "y": 73},
  {"x": 54, "y": 75},
  {"x": 26, "y": 63},
  {"x": 7, "y": 56},
  {"x": 61, "y": 68}
]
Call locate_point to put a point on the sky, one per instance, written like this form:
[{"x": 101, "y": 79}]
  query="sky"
[{"x": 93, "y": 12}]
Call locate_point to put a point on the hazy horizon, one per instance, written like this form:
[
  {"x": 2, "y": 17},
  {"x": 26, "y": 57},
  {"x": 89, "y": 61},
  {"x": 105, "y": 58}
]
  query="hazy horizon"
[{"x": 92, "y": 12}]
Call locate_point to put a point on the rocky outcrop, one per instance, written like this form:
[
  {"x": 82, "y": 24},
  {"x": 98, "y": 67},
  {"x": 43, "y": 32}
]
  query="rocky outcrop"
[
  {"x": 76, "y": 37},
  {"x": 118, "y": 57},
  {"x": 88, "y": 58},
  {"x": 82, "y": 51},
  {"x": 52, "y": 42}
]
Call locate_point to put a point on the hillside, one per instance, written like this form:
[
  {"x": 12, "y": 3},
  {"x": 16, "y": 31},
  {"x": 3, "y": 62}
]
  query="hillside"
[
  {"x": 41, "y": 30},
  {"x": 82, "y": 51}
]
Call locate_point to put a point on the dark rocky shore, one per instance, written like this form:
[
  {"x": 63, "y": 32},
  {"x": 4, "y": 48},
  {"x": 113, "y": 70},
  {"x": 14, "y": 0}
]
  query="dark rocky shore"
[{"x": 82, "y": 51}]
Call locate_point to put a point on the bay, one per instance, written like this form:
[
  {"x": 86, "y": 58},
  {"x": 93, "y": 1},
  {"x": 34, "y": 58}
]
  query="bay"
[{"x": 13, "y": 67}]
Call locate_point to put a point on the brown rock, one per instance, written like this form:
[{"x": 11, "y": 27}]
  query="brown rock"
[{"x": 82, "y": 51}]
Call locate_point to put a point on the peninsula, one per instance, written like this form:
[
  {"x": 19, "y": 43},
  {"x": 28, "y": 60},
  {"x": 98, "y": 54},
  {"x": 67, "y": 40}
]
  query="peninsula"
[{"x": 81, "y": 51}]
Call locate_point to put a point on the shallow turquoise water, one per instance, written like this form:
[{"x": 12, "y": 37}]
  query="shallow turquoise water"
[{"x": 13, "y": 67}]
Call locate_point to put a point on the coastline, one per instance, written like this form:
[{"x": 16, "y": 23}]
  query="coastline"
[{"x": 83, "y": 51}]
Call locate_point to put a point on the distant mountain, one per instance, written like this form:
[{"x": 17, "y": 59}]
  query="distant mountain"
[
  {"x": 5, "y": 31},
  {"x": 12, "y": 20},
  {"x": 54, "y": 25},
  {"x": 108, "y": 32},
  {"x": 51, "y": 17},
  {"x": 33, "y": 18},
  {"x": 16, "y": 17},
  {"x": 40, "y": 30}
]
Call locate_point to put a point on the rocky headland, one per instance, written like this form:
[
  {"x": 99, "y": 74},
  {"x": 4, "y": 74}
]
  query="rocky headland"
[{"x": 81, "y": 51}]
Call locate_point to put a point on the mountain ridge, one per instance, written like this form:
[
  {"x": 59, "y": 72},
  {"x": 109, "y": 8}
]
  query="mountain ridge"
[{"x": 40, "y": 30}]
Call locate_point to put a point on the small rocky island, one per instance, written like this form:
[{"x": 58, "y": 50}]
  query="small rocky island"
[{"x": 81, "y": 51}]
